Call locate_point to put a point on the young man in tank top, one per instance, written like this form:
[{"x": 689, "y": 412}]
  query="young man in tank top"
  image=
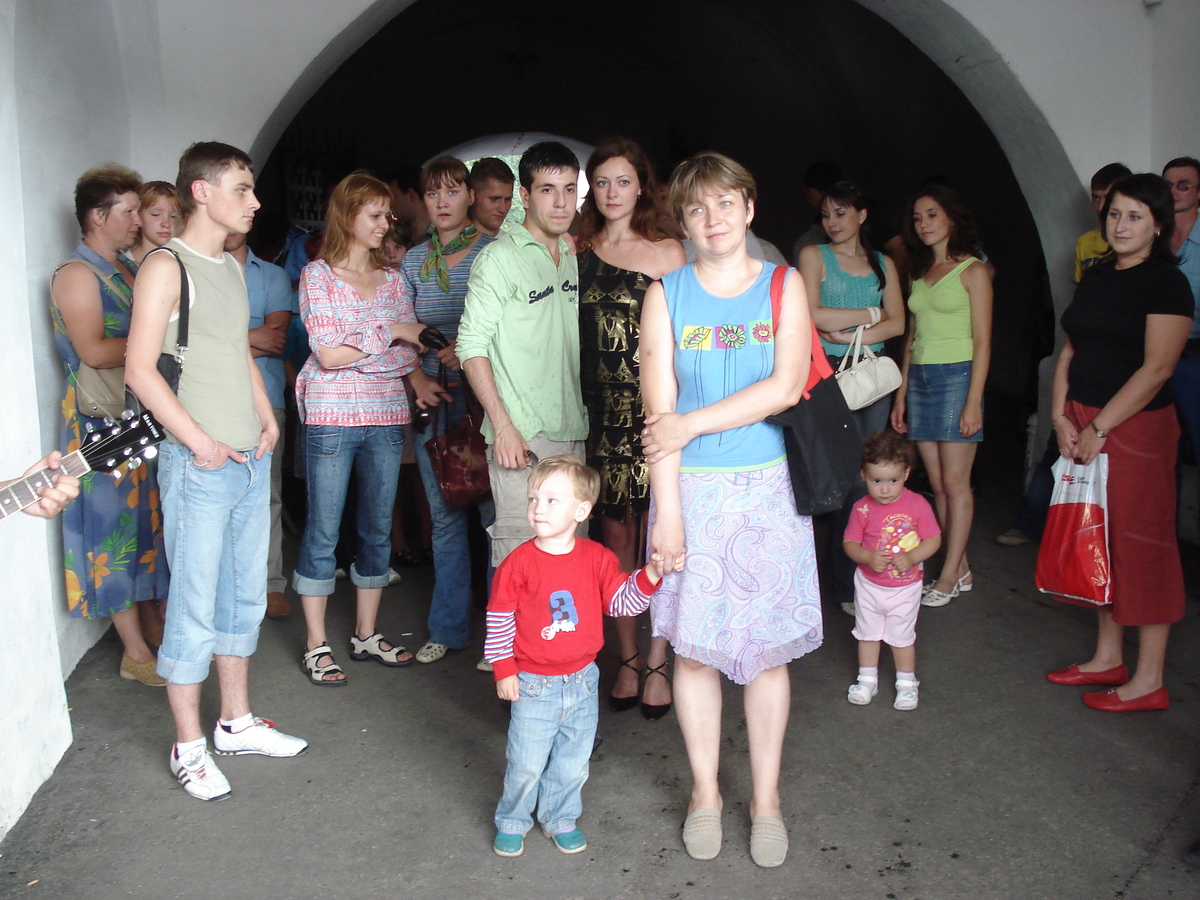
[{"x": 214, "y": 469}]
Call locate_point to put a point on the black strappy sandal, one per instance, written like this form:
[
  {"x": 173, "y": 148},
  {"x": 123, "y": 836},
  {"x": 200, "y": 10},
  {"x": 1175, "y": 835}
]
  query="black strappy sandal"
[
  {"x": 650, "y": 711},
  {"x": 620, "y": 704}
]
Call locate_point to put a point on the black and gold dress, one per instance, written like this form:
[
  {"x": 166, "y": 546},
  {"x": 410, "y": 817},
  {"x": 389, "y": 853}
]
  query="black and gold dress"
[{"x": 610, "y": 312}]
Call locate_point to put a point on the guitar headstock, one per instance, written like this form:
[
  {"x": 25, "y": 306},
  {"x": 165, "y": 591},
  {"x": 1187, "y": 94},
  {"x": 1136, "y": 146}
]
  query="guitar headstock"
[{"x": 130, "y": 439}]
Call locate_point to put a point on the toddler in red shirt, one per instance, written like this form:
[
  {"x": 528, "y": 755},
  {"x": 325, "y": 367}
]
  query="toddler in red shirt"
[
  {"x": 891, "y": 532},
  {"x": 544, "y": 629}
]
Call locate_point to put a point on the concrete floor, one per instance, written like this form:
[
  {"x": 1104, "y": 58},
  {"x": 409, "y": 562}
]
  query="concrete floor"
[{"x": 1000, "y": 786}]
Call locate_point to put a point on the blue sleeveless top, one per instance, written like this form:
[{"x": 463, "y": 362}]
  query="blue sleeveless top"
[
  {"x": 723, "y": 344},
  {"x": 840, "y": 290}
]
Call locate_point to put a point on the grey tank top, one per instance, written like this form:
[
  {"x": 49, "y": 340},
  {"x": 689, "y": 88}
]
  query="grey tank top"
[{"x": 215, "y": 387}]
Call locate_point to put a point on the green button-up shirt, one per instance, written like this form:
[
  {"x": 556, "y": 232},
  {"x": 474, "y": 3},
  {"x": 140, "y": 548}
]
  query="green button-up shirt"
[{"x": 522, "y": 314}]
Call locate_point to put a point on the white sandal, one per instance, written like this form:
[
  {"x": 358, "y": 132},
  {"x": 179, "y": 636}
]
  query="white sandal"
[
  {"x": 906, "y": 694},
  {"x": 364, "y": 649},
  {"x": 316, "y": 673},
  {"x": 962, "y": 585},
  {"x": 863, "y": 691},
  {"x": 934, "y": 597}
]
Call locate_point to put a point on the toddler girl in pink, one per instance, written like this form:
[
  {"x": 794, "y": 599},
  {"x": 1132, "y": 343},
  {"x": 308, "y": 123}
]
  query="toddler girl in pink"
[{"x": 891, "y": 532}]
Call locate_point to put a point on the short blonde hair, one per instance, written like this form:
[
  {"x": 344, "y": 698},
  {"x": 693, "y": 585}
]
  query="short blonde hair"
[
  {"x": 708, "y": 171},
  {"x": 584, "y": 479}
]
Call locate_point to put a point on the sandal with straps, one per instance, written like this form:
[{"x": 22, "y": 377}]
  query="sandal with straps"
[
  {"x": 620, "y": 704},
  {"x": 368, "y": 648},
  {"x": 649, "y": 710},
  {"x": 316, "y": 673}
]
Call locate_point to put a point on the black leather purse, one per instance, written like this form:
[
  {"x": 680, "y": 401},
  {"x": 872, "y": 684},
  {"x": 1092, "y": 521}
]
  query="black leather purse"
[{"x": 823, "y": 447}]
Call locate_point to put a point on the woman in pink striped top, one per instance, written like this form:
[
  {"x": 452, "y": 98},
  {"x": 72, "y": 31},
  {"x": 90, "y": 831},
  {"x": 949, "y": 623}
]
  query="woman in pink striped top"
[{"x": 364, "y": 337}]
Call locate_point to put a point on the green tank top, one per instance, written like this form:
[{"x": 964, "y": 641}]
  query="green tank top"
[
  {"x": 942, "y": 319},
  {"x": 215, "y": 386}
]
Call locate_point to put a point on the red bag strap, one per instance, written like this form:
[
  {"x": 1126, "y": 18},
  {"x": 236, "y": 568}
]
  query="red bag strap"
[{"x": 818, "y": 368}]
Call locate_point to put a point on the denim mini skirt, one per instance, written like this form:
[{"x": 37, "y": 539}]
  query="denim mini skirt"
[{"x": 937, "y": 393}]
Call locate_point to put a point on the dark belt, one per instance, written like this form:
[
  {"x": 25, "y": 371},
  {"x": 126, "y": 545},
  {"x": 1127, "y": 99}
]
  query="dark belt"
[{"x": 1191, "y": 349}]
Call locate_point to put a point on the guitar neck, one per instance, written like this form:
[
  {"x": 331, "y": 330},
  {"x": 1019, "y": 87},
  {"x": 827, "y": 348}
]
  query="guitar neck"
[{"x": 21, "y": 493}]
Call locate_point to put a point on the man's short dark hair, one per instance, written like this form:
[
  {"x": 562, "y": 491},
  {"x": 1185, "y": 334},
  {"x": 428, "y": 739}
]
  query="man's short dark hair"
[
  {"x": 1107, "y": 176},
  {"x": 1180, "y": 161},
  {"x": 550, "y": 155},
  {"x": 822, "y": 175},
  {"x": 206, "y": 161},
  {"x": 491, "y": 168}
]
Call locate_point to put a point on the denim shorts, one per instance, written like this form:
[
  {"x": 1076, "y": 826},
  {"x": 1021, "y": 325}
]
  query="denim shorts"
[
  {"x": 937, "y": 393},
  {"x": 217, "y": 528}
]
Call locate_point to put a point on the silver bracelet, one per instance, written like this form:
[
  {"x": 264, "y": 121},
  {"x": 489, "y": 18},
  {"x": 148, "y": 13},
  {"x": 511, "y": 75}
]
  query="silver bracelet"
[{"x": 211, "y": 456}]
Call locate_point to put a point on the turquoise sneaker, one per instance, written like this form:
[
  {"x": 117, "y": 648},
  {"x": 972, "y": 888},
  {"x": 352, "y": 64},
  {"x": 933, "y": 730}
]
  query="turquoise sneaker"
[
  {"x": 571, "y": 841},
  {"x": 507, "y": 844}
]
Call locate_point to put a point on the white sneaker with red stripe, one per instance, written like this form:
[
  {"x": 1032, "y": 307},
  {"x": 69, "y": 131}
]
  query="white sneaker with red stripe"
[
  {"x": 259, "y": 737},
  {"x": 198, "y": 774}
]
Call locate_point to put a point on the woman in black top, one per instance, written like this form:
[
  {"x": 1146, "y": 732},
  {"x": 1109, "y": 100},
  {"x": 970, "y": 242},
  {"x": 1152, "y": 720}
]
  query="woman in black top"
[{"x": 1125, "y": 331}]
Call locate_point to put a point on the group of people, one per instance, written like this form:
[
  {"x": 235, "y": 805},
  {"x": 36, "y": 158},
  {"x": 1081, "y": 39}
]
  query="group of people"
[{"x": 617, "y": 381}]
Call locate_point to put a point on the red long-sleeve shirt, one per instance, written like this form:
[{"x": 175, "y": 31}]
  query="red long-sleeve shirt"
[{"x": 546, "y": 612}]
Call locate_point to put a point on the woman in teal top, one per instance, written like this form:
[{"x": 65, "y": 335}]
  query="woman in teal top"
[
  {"x": 849, "y": 284},
  {"x": 946, "y": 356},
  {"x": 746, "y": 602}
]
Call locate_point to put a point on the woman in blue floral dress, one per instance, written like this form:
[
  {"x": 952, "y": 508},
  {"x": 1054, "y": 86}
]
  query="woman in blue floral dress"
[{"x": 112, "y": 535}]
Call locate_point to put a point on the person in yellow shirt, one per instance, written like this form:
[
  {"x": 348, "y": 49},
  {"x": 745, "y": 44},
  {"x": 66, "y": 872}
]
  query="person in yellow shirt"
[{"x": 1091, "y": 246}]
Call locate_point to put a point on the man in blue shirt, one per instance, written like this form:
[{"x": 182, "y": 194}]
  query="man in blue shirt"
[
  {"x": 272, "y": 304},
  {"x": 1183, "y": 174}
]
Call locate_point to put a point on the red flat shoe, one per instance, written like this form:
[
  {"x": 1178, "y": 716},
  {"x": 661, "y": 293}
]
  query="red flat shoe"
[
  {"x": 1108, "y": 701},
  {"x": 1072, "y": 675}
]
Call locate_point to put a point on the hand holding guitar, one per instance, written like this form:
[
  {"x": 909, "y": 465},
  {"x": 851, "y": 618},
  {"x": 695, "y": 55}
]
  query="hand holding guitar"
[{"x": 53, "y": 487}]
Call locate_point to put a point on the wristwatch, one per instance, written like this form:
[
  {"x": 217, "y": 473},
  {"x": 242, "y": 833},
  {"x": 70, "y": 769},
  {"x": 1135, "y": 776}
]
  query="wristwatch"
[{"x": 1099, "y": 433}]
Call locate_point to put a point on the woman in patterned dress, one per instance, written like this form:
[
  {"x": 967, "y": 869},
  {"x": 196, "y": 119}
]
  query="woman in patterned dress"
[
  {"x": 112, "y": 536},
  {"x": 623, "y": 250},
  {"x": 715, "y": 364}
]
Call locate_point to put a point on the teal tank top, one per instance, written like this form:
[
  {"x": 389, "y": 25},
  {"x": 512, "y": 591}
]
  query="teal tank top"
[
  {"x": 723, "y": 344},
  {"x": 842, "y": 291}
]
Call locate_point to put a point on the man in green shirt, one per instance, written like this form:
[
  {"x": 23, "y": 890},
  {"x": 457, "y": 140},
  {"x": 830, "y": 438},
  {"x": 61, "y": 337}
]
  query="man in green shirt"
[{"x": 519, "y": 339}]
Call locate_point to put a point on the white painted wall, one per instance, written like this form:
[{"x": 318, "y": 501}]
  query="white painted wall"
[{"x": 1066, "y": 86}]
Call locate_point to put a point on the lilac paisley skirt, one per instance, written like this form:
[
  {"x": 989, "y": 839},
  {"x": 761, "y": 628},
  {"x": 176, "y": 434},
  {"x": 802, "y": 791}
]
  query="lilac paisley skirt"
[{"x": 747, "y": 599}]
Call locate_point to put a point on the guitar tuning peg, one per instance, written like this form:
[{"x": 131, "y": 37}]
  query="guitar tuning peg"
[
  {"x": 109, "y": 421},
  {"x": 135, "y": 462},
  {"x": 150, "y": 452},
  {"x": 127, "y": 415},
  {"x": 88, "y": 428}
]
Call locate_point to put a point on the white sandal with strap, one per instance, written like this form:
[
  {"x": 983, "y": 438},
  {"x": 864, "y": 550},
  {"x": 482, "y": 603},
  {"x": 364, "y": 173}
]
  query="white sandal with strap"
[
  {"x": 316, "y": 673},
  {"x": 368, "y": 648}
]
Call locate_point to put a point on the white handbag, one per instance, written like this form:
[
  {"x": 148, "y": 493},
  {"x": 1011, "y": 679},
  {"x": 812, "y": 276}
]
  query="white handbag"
[{"x": 865, "y": 377}]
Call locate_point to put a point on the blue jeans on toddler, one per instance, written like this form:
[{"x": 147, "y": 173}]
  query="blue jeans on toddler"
[
  {"x": 331, "y": 451},
  {"x": 217, "y": 532},
  {"x": 549, "y": 741},
  {"x": 450, "y": 606}
]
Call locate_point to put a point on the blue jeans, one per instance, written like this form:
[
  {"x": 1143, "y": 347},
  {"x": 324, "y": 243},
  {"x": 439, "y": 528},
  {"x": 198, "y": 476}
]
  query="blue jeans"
[
  {"x": 1186, "y": 384},
  {"x": 331, "y": 451},
  {"x": 549, "y": 741},
  {"x": 450, "y": 606},
  {"x": 217, "y": 529}
]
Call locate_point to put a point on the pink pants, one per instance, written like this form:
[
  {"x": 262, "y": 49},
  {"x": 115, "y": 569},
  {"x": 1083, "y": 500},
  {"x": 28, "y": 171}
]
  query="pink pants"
[{"x": 887, "y": 614}]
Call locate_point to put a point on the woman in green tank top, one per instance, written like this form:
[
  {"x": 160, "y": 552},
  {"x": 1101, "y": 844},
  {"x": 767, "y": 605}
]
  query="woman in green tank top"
[{"x": 946, "y": 355}]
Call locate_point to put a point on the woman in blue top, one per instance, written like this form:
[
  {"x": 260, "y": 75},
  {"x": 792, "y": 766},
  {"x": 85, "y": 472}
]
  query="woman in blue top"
[
  {"x": 850, "y": 284},
  {"x": 747, "y": 601},
  {"x": 435, "y": 273}
]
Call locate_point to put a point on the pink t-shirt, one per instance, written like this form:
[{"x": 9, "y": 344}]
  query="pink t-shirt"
[{"x": 895, "y": 528}]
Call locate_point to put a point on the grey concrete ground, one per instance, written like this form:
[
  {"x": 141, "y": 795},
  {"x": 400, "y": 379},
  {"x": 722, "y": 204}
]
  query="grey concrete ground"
[{"x": 1000, "y": 785}]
